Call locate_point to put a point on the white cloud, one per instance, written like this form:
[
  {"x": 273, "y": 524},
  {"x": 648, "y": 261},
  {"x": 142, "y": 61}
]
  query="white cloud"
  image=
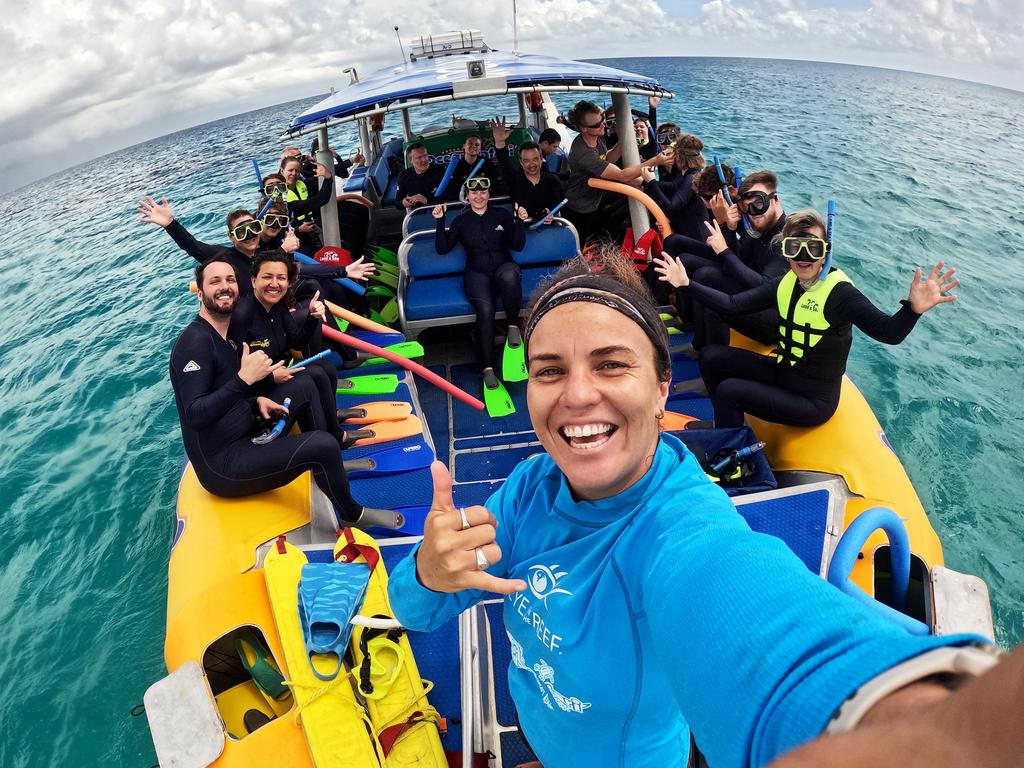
[{"x": 89, "y": 77}]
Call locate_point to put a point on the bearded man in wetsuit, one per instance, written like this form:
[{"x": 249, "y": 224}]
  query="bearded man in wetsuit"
[{"x": 219, "y": 412}]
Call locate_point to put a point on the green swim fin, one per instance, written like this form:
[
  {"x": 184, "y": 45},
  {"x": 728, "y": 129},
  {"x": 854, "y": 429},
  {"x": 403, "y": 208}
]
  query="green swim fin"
[
  {"x": 496, "y": 397},
  {"x": 383, "y": 384},
  {"x": 513, "y": 357},
  {"x": 409, "y": 349}
]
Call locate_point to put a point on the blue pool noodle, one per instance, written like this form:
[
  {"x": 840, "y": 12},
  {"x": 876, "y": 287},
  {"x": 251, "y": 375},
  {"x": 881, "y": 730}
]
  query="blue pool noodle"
[
  {"x": 449, "y": 172},
  {"x": 352, "y": 285}
]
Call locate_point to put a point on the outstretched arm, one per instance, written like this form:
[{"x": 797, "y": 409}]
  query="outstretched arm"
[{"x": 162, "y": 215}]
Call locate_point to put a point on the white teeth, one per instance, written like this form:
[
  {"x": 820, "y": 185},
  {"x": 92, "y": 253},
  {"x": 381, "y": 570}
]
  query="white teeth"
[{"x": 585, "y": 430}]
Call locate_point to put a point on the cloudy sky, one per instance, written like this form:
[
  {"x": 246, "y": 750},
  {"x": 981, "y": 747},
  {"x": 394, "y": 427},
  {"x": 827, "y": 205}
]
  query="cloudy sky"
[{"x": 86, "y": 78}]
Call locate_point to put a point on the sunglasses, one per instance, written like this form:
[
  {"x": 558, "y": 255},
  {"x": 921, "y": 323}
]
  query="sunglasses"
[
  {"x": 598, "y": 124},
  {"x": 805, "y": 249},
  {"x": 758, "y": 202},
  {"x": 275, "y": 190},
  {"x": 275, "y": 221},
  {"x": 667, "y": 137},
  {"x": 479, "y": 183},
  {"x": 246, "y": 230}
]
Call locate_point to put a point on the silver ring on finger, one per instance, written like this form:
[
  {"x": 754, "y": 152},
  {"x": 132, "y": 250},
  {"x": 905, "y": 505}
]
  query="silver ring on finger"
[
  {"x": 482, "y": 563},
  {"x": 465, "y": 520}
]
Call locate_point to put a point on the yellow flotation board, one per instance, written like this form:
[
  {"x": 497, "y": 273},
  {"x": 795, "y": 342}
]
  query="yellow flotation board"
[
  {"x": 334, "y": 722},
  {"x": 405, "y": 724}
]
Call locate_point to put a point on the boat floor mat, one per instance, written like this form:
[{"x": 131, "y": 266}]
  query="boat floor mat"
[
  {"x": 484, "y": 465},
  {"x": 799, "y": 518},
  {"x": 469, "y": 422}
]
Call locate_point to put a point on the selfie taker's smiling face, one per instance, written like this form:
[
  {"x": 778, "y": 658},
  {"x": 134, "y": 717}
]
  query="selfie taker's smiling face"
[{"x": 593, "y": 396}]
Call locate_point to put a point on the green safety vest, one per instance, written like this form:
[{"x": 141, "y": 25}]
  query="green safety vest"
[
  {"x": 300, "y": 193},
  {"x": 806, "y": 339}
]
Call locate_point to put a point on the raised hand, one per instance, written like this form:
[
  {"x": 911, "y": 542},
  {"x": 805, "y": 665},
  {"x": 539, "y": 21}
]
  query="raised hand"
[
  {"x": 933, "y": 290},
  {"x": 290, "y": 243},
  {"x": 269, "y": 409},
  {"x": 448, "y": 556},
  {"x": 156, "y": 213},
  {"x": 317, "y": 308},
  {"x": 521, "y": 212},
  {"x": 716, "y": 240},
  {"x": 671, "y": 270},
  {"x": 255, "y": 365},
  {"x": 500, "y": 131},
  {"x": 360, "y": 269},
  {"x": 439, "y": 211}
]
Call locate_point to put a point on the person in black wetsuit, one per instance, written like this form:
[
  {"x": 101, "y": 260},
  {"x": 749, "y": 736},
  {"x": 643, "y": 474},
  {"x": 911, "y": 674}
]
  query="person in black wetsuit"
[
  {"x": 277, "y": 230},
  {"x": 666, "y": 134},
  {"x": 243, "y": 231},
  {"x": 678, "y": 198},
  {"x": 218, "y": 411},
  {"x": 814, "y": 318},
  {"x": 416, "y": 184},
  {"x": 488, "y": 235},
  {"x": 269, "y": 320},
  {"x": 531, "y": 185},
  {"x": 555, "y": 160},
  {"x": 472, "y": 149}
]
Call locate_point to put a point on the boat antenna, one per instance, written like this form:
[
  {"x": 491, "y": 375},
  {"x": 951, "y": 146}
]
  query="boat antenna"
[
  {"x": 400, "y": 46},
  {"x": 515, "y": 31}
]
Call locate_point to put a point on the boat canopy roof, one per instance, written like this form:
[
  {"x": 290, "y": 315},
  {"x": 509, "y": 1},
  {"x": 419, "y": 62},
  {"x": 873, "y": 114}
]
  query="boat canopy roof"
[{"x": 446, "y": 78}]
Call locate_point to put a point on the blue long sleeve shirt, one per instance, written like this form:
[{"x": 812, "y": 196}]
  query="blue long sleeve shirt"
[{"x": 656, "y": 610}]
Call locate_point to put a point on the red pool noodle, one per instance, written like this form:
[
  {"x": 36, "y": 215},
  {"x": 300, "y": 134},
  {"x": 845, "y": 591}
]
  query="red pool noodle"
[{"x": 433, "y": 378}]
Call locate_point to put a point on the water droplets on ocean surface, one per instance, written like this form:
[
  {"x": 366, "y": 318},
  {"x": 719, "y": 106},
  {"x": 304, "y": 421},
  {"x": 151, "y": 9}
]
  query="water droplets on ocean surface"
[{"x": 922, "y": 168}]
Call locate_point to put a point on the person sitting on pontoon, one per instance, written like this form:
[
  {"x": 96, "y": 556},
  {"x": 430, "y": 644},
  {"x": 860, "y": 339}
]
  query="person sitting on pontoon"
[
  {"x": 417, "y": 184},
  {"x": 218, "y": 407},
  {"x": 531, "y": 185},
  {"x": 639, "y": 604},
  {"x": 814, "y": 312},
  {"x": 489, "y": 234}
]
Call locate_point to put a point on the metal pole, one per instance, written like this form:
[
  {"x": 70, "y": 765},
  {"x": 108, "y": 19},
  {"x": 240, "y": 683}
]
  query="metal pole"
[
  {"x": 406, "y": 125},
  {"x": 515, "y": 31},
  {"x": 400, "y": 46},
  {"x": 630, "y": 156},
  {"x": 329, "y": 212},
  {"x": 364, "y": 141},
  {"x": 521, "y": 99}
]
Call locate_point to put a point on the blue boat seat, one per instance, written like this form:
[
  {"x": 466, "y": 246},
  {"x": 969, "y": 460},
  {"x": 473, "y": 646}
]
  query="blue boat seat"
[{"x": 430, "y": 291}]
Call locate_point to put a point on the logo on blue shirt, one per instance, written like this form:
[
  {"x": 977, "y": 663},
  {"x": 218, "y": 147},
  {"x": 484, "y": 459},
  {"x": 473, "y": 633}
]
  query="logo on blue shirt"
[{"x": 543, "y": 582}]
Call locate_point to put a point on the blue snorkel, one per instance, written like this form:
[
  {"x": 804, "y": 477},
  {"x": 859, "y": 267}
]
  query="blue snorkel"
[
  {"x": 721, "y": 178},
  {"x": 259, "y": 176},
  {"x": 449, "y": 172},
  {"x": 751, "y": 232},
  {"x": 551, "y": 213},
  {"x": 472, "y": 173},
  {"x": 829, "y": 224},
  {"x": 312, "y": 359},
  {"x": 265, "y": 208},
  {"x": 272, "y": 434}
]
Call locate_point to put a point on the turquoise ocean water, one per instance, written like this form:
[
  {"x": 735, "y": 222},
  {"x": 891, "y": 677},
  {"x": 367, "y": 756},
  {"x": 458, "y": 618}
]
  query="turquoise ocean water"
[{"x": 923, "y": 168}]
